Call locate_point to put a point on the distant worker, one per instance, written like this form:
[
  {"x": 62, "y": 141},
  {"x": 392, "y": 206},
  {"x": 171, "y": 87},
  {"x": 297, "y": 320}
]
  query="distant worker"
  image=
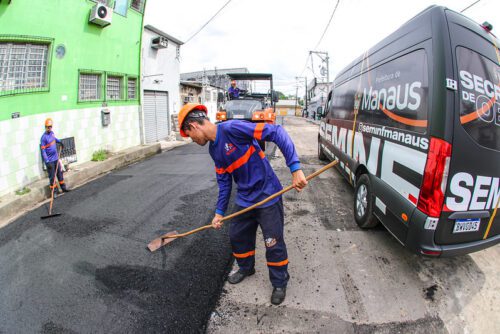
[
  {"x": 51, "y": 157},
  {"x": 234, "y": 92},
  {"x": 235, "y": 149}
]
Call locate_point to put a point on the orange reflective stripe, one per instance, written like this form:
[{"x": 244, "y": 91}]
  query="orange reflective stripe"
[
  {"x": 238, "y": 163},
  {"x": 262, "y": 154},
  {"x": 257, "y": 133},
  {"x": 244, "y": 255},
  {"x": 52, "y": 187},
  {"x": 61, "y": 182},
  {"x": 477, "y": 113},
  {"x": 408, "y": 121},
  {"x": 278, "y": 264},
  {"x": 48, "y": 145}
]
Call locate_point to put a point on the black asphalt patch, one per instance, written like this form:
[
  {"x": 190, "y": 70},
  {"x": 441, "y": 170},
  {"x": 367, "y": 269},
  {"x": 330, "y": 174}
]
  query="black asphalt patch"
[{"x": 88, "y": 270}]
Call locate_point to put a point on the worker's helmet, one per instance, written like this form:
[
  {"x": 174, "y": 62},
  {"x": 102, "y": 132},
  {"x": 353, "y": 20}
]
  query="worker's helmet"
[
  {"x": 189, "y": 107},
  {"x": 48, "y": 122}
]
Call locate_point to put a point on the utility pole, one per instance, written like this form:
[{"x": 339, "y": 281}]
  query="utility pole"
[
  {"x": 305, "y": 94},
  {"x": 325, "y": 59}
]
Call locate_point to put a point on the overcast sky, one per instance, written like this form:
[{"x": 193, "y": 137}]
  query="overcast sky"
[{"x": 276, "y": 35}]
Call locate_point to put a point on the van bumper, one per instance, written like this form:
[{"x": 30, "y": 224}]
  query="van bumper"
[{"x": 421, "y": 241}]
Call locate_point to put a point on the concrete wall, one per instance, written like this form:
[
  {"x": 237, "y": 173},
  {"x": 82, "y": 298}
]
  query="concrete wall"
[{"x": 160, "y": 70}]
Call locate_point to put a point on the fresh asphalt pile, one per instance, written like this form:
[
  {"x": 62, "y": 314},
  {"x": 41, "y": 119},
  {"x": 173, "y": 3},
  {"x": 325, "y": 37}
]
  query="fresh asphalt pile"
[{"x": 88, "y": 270}]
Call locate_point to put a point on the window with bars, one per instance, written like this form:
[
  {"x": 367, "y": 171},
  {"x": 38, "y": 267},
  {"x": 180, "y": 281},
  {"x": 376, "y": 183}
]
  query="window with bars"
[
  {"x": 89, "y": 87},
  {"x": 114, "y": 88},
  {"x": 23, "y": 67},
  {"x": 138, "y": 5},
  {"x": 132, "y": 88}
]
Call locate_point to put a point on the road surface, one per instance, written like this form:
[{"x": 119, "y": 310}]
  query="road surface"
[{"x": 88, "y": 271}]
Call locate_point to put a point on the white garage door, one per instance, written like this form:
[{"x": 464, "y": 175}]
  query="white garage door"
[{"x": 156, "y": 116}]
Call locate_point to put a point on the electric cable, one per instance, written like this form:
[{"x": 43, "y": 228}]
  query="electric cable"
[
  {"x": 203, "y": 26},
  {"x": 328, "y": 25}
]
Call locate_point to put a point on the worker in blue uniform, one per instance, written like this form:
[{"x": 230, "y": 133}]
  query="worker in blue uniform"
[
  {"x": 233, "y": 91},
  {"x": 238, "y": 157},
  {"x": 48, "y": 146}
]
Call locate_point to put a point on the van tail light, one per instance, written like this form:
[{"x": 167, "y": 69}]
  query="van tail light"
[{"x": 435, "y": 178}]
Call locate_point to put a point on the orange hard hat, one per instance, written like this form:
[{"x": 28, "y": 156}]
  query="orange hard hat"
[
  {"x": 48, "y": 122},
  {"x": 188, "y": 107}
]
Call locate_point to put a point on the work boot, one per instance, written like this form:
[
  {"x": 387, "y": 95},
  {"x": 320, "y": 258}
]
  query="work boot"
[
  {"x": 278, "y": 296},
  {"x": 239, "y": 276},
  {"x": 65, "y": 190}
]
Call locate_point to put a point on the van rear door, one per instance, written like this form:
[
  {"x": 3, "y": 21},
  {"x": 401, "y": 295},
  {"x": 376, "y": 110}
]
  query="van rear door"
[{"x": 473, "y": 187}]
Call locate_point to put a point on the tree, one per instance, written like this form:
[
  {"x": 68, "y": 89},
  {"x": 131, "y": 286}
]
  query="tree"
[{"x": 281, "y": 96}]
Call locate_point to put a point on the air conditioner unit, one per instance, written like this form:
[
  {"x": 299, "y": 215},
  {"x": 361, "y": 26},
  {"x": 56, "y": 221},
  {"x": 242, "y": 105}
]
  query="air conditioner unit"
[
  {"x": 188, "y": 99},
  {"x": 101, "y": 15},
  {"x": 159, "y": 42}
]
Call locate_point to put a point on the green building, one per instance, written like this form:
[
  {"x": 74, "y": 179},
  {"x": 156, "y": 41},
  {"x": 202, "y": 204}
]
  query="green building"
[{"x": 75, "y": 61}]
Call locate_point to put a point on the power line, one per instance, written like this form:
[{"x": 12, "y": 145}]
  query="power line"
[
  {"x": 326, "y": 28},
  {"x": 322, "y": 36},
  {"x": 469, "y": 6},
  {"x": 203, "y": 26}
]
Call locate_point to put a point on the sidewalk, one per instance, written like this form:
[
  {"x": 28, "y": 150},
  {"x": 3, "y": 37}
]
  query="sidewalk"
[{"x": 12, "y": 205}]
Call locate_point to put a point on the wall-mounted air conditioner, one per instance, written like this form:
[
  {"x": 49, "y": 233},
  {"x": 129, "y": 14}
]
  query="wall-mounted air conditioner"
[
  {"x": 101, "y": 15},
  {"x": 159, "y": 42}
]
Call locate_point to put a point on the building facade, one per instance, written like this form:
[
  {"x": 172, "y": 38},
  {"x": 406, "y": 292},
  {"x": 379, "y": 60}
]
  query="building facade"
[
  {"x": 317, "y": 94},
  {"x": 288, "y": 108},
  {"x": 160, "y": 83},
  {"x": 75, "y": 62},
  {"x": 216, "y": 77},
  {"x": 197, "y": 92}
]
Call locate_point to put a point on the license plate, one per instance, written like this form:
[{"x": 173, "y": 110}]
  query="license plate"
[
  {"x": 239, "y": 116},
  {"x": 466, "y": 225}
]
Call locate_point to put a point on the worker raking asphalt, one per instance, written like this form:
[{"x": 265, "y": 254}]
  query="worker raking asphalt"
[{"x": 88, "y": 270}]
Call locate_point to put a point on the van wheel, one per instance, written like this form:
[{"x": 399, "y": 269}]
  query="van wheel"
[
  {"x": 363, "y": 203},
  {"x": 321, "y": 154}
]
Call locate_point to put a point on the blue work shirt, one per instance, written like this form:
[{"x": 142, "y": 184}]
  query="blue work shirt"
[
  {"x": 234, "y": 92},
  {"x": 49, "y": 147},
  {"x": 238, "y": 156}
]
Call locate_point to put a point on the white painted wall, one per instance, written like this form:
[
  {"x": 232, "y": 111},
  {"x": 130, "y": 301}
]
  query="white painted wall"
[{"x": 160, "y": 70}]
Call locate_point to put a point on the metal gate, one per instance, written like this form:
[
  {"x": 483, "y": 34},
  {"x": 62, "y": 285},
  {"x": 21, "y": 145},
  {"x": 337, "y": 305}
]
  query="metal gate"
[{"x": 156, "y": 116}]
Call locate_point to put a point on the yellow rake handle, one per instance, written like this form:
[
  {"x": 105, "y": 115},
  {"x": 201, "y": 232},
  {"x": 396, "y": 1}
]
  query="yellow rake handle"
[{"x": 279, "y": 193}]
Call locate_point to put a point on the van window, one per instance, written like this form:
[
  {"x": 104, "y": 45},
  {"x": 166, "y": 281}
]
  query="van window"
[
  {"x": 479, "y": 88},
  {"x": 393, "y": 94}
]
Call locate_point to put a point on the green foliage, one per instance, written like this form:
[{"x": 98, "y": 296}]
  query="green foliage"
[
  {"x": 281, "y": 96},
  {"x": 23, "y": 191},
  {"x": 99, "y": 155}
]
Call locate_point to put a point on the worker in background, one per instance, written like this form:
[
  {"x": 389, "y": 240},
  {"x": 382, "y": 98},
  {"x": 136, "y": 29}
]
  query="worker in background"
[
  {"x": 233, "y": 91},
  {"x": 51, "y": 157},
  {"x": 237, "y": 155}
]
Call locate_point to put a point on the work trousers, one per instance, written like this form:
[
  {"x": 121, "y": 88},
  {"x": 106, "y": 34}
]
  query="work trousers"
[
  {"x": 243, "y": 232},
  {"x": 51, "y": 169}
]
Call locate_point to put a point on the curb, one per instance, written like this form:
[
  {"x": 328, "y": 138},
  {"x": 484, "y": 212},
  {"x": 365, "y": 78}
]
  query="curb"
[{"x": 13, "y": 206}]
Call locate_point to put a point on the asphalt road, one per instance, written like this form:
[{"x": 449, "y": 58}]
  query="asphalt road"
[{"x": 88, "y": 271}]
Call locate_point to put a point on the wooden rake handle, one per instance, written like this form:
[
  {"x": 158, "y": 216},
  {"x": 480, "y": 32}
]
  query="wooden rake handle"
[
  {"x": 54, "y": 183},
  {"x": 273, "y": 196}
]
